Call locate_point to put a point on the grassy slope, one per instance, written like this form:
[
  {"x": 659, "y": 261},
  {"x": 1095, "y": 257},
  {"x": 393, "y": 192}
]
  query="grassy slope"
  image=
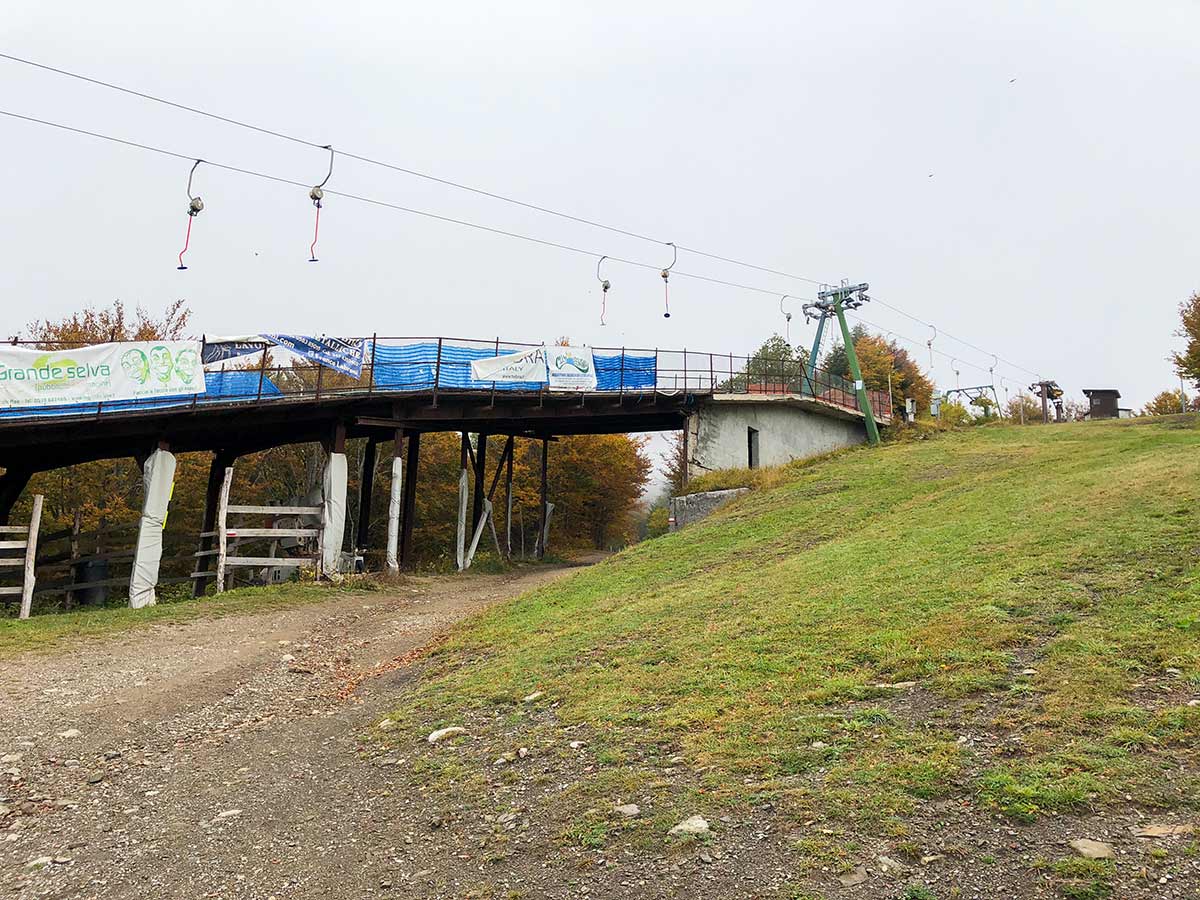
[{"x": 957, "y": 563}]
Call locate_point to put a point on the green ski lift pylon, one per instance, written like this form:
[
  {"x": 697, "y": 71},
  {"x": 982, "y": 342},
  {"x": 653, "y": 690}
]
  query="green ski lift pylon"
[
  {"x": 820, "y": 312},
  {"x": 852, "y": 296}
]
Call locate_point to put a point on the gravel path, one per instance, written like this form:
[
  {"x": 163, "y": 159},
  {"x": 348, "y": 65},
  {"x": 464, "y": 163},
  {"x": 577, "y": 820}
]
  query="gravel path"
[{"x": 218, "y": 758}]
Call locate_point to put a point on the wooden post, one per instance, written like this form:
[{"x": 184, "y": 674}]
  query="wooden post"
[
  {"x": 409, "y": 502},
  {"x": 365, "y": 488},
  {"x": 508, "y": 498},
  {"x": 395, "y": 504},
  {"x": 76, "y": 527},
  {"x": 262, "y": 374},
  {"x": 460, "y": 545},
  {"x": 541, "y": 541},
  {"x": 437, "y": 372},
  {"x": 371, "y": 383},
  {"x": 222, "y": 527},
  {"x": 480, "y": 477},
  {"x": 221, "y": 460},
  {"x": 35, "y": 522}
]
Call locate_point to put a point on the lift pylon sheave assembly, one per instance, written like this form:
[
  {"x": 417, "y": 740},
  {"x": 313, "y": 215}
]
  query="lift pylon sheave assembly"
[
  {"x": 975, "y": 393},
  {"x": 837, "y": 299},
  {"x": 1047, "y": 391},
  {"x": 820, "y": 312}
]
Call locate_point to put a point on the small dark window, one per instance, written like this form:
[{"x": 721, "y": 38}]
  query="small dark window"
[{"x": 752, "y": 447}]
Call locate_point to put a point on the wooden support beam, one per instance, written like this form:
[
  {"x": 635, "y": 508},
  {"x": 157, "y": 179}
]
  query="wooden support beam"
[
  {"x": 409, "y": 504},
  {"x": 222, "y": 527},
  {"x": 508, "y": 500},
  {"x": 504, "y": 456},
  {"x": 460, "y": 533},
  {"x": 335, "y": 442},
  {"x": 541, "y": 541},
  {"x": 480, "y": 476},
  {"x": 12, "y": 482},
  {"x": 365, "y": 489},
  {"x": 221, "y": 461},
  {"x": 35, "y": 523}
]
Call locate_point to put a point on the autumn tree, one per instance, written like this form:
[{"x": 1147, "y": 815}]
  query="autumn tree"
[
  {"x": 1025, "y": 408},
  {"x": 1187, "y": 363},
  {"x": 883, "y": 364},
  {"x": 1167, "y": 403},
  {"x": 774, "y": 362},
  {"x": 674, "y": 462},
  {"x": 97, "y": 326},
  {"x": 109, "y": 490}
]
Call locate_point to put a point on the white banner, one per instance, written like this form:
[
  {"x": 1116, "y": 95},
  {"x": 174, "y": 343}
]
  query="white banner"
[
  {"x": 529, "y": 366},
  {"x": 571, "y": 368},
  {"x": 99, "y": 373}
]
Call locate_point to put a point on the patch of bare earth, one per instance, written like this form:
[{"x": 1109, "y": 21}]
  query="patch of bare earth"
[{"x": 223, "y": 759}]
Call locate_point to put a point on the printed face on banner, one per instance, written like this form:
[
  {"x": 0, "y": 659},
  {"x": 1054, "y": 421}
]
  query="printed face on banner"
[{"x": 103, "y": 372}]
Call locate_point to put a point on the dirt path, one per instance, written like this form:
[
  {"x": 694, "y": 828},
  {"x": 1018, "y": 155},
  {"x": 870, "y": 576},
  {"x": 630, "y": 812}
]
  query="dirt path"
[{"x": 219, "y": 758}]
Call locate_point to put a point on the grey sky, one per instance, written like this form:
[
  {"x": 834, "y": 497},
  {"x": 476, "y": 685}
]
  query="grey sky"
[{"x": 1057, "y": 229}]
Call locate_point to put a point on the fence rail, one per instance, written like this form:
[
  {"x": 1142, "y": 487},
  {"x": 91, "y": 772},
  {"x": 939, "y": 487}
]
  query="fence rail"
[{"x": 443, "y": 365}]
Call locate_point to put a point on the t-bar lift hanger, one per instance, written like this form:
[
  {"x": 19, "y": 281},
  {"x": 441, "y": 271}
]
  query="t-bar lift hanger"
[
  {"x": 195, "y": 205},
  {"x": 604, "y": 286},
  {"x": 666, "y": 277},
  {"x": 316, "y": 195}
]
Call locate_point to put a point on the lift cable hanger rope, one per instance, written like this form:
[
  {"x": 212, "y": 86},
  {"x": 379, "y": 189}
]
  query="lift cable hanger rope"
[
  {"x": 464, "y": 187},
  {"x": 398, "y": 168},
  {"x": 435, "y": 216},
  {"x": 384, "y": 203}
]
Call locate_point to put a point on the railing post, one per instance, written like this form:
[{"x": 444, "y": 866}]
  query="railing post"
[
  {"x": 437, "y": 372},
  {"x": 492, "y": 405},
  {"x": 320, "y": 374},
  {"x": 685, "y": 383},
  {"x": 621, "y": 383},
  {"x": 262, "y": 371},
  {"x": 371, "y": 384},
  {"x": 712, "y": 377}
]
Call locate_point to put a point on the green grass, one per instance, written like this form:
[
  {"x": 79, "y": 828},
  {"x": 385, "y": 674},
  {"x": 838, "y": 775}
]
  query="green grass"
[
  {"x": 44, "y": 632},
  {"x": 954, "y": 562},
  {"x": 1080, "y": 879}
]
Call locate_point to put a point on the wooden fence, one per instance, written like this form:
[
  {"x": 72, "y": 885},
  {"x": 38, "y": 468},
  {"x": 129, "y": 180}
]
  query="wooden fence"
[
  {"x": 27, "y": 541},
  {"x": 69, "y": 569},
  {"x": 275, "y": 533}
]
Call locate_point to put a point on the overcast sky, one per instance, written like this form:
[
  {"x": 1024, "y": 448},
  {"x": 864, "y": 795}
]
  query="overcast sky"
[{"x": 1050, "y": 219}]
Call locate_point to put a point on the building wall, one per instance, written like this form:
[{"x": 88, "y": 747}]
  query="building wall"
[
  {"x": 717, "y": 434},
  {"x": 1103, "y": 405}
]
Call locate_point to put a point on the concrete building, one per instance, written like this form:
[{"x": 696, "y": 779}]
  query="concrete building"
[{"x": 737, "y": 431}]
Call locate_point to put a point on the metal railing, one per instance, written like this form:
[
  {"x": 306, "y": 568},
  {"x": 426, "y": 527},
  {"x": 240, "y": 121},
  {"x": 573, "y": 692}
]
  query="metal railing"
[{"x": 442, "y": 365}]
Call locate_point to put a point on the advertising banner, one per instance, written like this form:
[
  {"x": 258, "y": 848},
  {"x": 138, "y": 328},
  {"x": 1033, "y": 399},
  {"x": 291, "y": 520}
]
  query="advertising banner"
[
  {"x": 529, "y": 366},
  {"x": 219, "y": 349},
  {"x": 339, "y": 354},
  {"x": 571, "y": 368},
  {"x": 102, "y": 372}
]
